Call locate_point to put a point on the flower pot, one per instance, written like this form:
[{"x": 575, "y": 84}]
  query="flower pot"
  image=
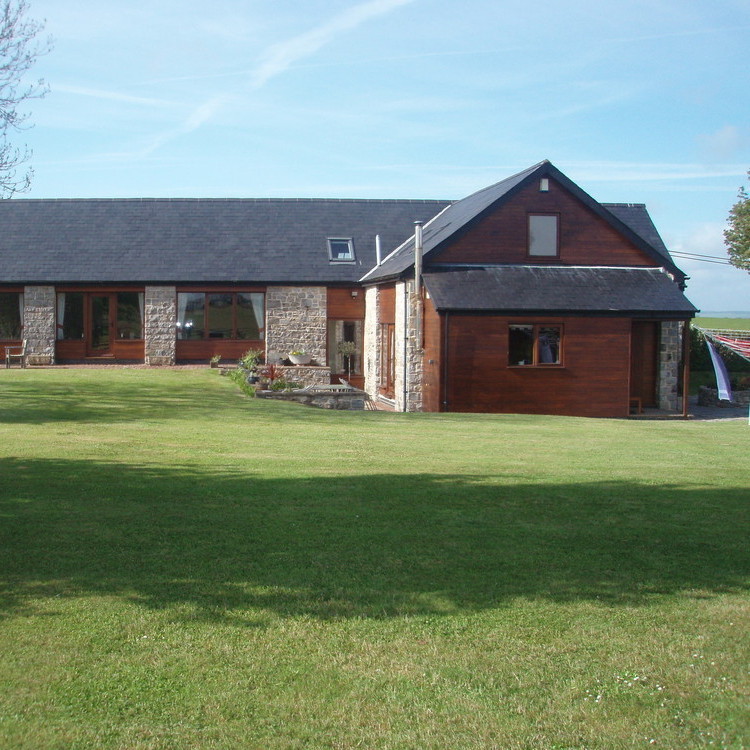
[{"x": 300, "y": 359}]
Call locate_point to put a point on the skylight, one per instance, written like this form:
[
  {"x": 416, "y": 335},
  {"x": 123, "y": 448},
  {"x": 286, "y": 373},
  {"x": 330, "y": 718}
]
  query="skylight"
[{"x": 341, "y": 250}]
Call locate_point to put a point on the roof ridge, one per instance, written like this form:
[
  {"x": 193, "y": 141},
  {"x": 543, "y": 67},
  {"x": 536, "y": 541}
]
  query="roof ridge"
[{"x": 425, "y": 201}]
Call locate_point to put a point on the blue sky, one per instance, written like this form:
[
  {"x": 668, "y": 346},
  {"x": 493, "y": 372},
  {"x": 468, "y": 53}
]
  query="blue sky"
[{"x": 643, "y": 102}]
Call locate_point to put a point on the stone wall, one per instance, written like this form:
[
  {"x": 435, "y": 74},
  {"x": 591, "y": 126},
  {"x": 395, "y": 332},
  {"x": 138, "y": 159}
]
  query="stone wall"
[
  {"x": 670, "y": 363},
  {"x": 39, "y": 321},
  {"x": 372, "y": 340},
  {"x": 345, "y": 400},
  {"x": 296, "y": 320},
  {"x": 414, "y": 353},
  {"x": 401, "y": 322},
  {"x": 306, "y": 375},
  {"x": 160, "y": 325}
]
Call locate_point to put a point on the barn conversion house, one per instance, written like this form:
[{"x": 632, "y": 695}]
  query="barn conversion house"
[{"x": 528, "y": 296}]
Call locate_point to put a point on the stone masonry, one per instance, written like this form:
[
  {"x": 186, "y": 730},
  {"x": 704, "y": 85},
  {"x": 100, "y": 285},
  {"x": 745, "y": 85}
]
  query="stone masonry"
[
  {"x": 160, "y": 325},
  {"x": 400, "y": 324},
  {"x": 39, "y": 324},
  {"x": 296, "y": 320},
  {"x": 670, "y": 360},
  {"x": 371, "y": 340},
  {"x": 408, "y": 354}
]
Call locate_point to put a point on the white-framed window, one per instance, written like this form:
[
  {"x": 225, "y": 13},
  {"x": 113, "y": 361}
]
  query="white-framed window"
[
  {"x": 544, "y": 235},
  {"x": 341, "y": 250}
]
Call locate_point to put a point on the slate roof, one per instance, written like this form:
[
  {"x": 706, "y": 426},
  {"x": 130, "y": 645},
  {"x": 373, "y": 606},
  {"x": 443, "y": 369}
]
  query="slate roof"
[
  {"x": 558, "y": 290},
  {"x": 174, "y": 241},
  {"x": 631, "y": 220}
]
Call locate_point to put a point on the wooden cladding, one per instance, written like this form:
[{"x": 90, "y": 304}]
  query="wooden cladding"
[
  {"x": 346, "y": 303},
  {"x": 594, "y": 380},
  {"x": 503, "y": 235}
]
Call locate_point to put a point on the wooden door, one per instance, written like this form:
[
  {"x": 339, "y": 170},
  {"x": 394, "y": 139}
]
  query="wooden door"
[
  {"x": 387, "y": 360},
  {"x": 644, "y": 361}
]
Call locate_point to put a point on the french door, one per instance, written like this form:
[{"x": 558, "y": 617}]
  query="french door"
[{"x": 102, "y": 318}]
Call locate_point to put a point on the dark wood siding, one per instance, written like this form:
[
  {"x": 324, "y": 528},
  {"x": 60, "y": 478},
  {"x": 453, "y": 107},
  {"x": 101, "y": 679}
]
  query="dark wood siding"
[
  {"x": 342, "y": 306},
  {"x": 387, "y": 304},
  {"x": 502, "y": 236},
  {"x": 592, "y": 381},
  {"x": 432, "y": 357}
]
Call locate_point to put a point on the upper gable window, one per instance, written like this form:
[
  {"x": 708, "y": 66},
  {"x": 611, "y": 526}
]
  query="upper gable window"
[
  {"x": 341, "y": 250},
  {"x": 543, "y": 235}
]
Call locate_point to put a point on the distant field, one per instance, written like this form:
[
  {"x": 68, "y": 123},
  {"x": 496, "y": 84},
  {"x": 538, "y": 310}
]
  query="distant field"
[{"x": 733, "y": 324}]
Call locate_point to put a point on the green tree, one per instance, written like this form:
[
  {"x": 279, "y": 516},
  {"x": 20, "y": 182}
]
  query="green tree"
[
  {"x": 737, "y": 235},
  {"x": 19, "y": 50}
]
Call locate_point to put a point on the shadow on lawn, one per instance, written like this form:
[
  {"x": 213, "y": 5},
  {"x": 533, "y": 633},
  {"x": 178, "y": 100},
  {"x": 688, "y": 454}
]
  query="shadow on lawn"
[{"x": 232, "y": 547}]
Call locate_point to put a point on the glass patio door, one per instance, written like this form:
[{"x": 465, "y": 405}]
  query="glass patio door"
[{"x": 102, "y": 310}]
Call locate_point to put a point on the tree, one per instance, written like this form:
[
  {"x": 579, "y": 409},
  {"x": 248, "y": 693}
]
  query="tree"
[
  {"x": 19, "y": 49},
  {"x": 737, "y": 236}
]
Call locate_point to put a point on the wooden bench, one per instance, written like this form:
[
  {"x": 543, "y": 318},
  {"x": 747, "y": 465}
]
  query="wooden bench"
[{"x": 15, "y": 352}]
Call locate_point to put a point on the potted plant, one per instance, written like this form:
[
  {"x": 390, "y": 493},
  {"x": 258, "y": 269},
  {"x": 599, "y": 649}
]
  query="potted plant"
[
  {"x": 270, "y": 374},
  {"x": 347, "y": 349},
  {"x": 249, "y": 362},
  {"x": 300, "y": 357},
  {"x": 215, "y": 360}
]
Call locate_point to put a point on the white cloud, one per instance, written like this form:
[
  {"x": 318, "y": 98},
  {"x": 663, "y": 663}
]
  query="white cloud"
[
  {"x": 199, "y": 116},
  {"x": 284, "y": 54},
  {"x": 112, "y": 96}
]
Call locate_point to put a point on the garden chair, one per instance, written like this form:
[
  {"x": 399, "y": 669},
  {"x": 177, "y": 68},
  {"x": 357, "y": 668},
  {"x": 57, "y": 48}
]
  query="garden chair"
[{"x": 15, "y": 352}]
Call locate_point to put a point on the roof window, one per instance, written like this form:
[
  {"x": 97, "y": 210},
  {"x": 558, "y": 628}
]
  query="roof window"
[{"x": 341, "y": 250}]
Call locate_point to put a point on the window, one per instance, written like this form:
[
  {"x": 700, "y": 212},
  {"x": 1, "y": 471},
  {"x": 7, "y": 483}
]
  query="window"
[
  {"x": 130, "y": 315},
  {"x": 532, "y": 345},
  {"x": 543, "y": 235},
  {"x": 220, "y": 315},
  {"x": 341, "y": 250},
  {"x": 11, "y": 315},
  {"x": 70, "y": 316}
]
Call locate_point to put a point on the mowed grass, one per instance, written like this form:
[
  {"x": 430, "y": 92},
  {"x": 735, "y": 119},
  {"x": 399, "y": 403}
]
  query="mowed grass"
[{"x": 184, "y": 567}]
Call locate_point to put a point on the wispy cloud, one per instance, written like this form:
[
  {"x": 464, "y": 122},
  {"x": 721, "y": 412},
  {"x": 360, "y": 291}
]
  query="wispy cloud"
[
  {"x": 194, "y": 120},
  {"x": 112, "y": 96},
  {"x": 606, "y": 171},
  {"x": 284, "y": 54}
]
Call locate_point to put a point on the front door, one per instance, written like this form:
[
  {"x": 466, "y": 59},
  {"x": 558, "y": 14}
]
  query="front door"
[
  {"x": 102, "y": 309},
  {"x": 644, "y": 353}
]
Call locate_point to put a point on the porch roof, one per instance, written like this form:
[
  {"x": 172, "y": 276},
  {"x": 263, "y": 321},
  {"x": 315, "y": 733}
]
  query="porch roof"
[{"x": 558, "y": 290}]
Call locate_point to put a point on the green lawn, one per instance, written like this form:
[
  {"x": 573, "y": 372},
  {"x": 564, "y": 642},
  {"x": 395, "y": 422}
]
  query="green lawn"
[{"x": 184, "y": 567}]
